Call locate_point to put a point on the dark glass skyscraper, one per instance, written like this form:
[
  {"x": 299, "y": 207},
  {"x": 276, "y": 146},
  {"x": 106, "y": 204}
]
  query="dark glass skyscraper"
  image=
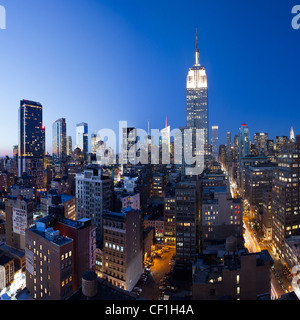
[
  {"x": 31, "y": 149},
  {"x": 59, "y": 142},
  {"x": 82, "y": 138},
  {"x": 244, "y": 141}
]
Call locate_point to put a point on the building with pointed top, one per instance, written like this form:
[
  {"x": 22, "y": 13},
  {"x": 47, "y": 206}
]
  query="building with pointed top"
[
  {"x": 197, "y": 105},
  {"x": 292, "y": 135},
  {"x": 196, "y": 97}
]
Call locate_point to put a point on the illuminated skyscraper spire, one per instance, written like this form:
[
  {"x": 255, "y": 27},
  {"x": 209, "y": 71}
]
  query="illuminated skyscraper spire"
[
  {"x": 197, "y": 63},
  {"x": 292, "y": 135},
  {"x": 197, "y": 98}
]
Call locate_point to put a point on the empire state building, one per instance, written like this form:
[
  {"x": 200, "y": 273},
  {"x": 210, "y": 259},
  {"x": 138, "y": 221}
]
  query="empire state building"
[{"x": 197, "y": 99}]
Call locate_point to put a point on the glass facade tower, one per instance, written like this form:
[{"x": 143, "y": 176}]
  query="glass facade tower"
[
  {"x": 82, "y": 138},
  {"x": 59, "y": 141},
  {"x": 244, "y": 142},
  {"x": 215, "y": 142},
  {"x": 31, "y": 150}
]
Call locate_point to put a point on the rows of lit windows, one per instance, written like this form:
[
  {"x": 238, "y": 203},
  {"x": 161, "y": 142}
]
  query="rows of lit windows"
[{"x": 114, "y": 246}]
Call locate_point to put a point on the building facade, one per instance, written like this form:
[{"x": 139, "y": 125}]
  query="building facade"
[
  {"x": 82, "y": 138},
  {"x": 285, "y": 195},
  {"x": 93, "y": 196},
  {"x": 59, "y": 144},
  {"x": 122, "y": 263},
  {"x": 31, "y": 149}
]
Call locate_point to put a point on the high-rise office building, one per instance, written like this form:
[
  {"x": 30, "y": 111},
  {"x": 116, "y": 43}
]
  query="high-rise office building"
[
  {"x": 280, "y": 140},
  {"x": 82, "y": 138},
  {"x": 69, "y": 145},
  {"x": 31, "y": 150},
  {"x": 93, "y": 196},
  {"x": 228, "y": 140},
  {"x": 258, "y": 178},
  {"x": 129, "y": 140},
  {"x": 95, "y": 142},
  {"x": 286, "y": 196},
  {"x": 197, "y": 101},
  {"x": 214, "y": 142},
  {"x": 166, "y": 145},
  {"x": 187, "y": 197},
  {"x": 170, "y": 218},
  {"x": 59, "y": 143},
  {"x": 244, "y": 142},
  {"x": 260, "y": 141},
  {"x": 228, "y": 145}
]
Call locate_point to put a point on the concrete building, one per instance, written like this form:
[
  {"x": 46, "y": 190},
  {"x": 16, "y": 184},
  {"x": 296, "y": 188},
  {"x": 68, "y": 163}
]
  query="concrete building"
[
  {"x": 58, "y": 251},
  {"x": 93, "y": 196},
  {"x": 267, "y": 215},
  {"x": 170, "y": 218},
  {"x": 235, "y": 274},
  {"x": 221, "y": 215},
  {"x": 292, "y": 251},
  {"x": 258, "y": 178},
  {"x": 187, "y": 197},
  {"x": 122, "y": 263},
  {"x": 157, "y": 224},
  {"x": 83, "y": 234},
  {"x": 53, "y": 198},
  {"x": 286, "y": 196},
  {"x": 131, "y": 200},
  {"x": 7, "y": 270},
  {"x": 49, "y": 263},
  {"x": 19, "y": 216},
  {"x": 159, "y": 182},
  {"x": 244, "y": 163}
]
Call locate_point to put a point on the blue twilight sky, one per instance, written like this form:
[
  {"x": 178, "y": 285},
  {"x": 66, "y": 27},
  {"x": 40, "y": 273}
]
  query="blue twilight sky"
[{"x": 101, "y": 61}]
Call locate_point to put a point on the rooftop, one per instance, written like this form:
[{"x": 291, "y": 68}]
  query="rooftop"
[
  {"x": 105, "y": 291},
  {"x": 49, "y": 234},
  {"x": 14, "y": 252}
]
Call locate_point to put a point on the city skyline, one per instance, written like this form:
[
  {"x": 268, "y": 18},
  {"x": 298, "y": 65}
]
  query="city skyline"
[
  {"x": 202, "y": 205},
  {"x": 84, "y": 78}
]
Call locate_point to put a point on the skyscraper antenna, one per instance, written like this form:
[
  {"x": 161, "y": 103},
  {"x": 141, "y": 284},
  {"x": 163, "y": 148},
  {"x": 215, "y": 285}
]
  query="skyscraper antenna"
[{"x": 197, "y": 51}]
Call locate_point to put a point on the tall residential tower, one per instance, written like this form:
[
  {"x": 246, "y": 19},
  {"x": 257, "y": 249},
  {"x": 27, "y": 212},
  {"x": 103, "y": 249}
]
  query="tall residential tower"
[
  {"x": 59, "y": 142},
  {"x": 31, "y": 150}
]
